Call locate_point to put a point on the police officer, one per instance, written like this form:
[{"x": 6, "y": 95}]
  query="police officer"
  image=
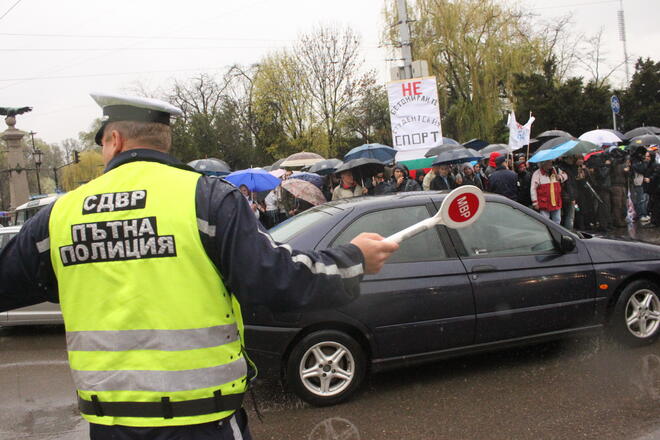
[{"x": 150, "y": 263}]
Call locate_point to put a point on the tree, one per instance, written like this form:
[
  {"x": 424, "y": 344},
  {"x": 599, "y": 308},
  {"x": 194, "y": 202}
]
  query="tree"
[
  {"x": 368, "y": 122},
  {"x": 640, "y": 103},
  {"x": 284, "y": 110},
  {"x": 90, "y": 167},
  {"x": 330, "y": 59},
  {"x": 475, "y": 48},
  {"x": 568, "y": 105},
  {"x": 593, "y": 59}
]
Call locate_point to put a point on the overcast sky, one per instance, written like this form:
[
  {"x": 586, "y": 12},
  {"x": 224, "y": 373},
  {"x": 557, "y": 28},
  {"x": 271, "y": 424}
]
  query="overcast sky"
[{"x": 52, "y": 54}]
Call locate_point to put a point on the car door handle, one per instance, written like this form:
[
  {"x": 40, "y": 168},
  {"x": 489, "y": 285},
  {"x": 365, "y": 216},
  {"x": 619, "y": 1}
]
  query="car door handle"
[{"x": 483, "y": 268}]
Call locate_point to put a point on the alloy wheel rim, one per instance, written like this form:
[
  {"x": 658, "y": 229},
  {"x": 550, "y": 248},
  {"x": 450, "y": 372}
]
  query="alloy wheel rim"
[
  {"x": 643, "y": 313},
  {"x": 327, "y": 368}
]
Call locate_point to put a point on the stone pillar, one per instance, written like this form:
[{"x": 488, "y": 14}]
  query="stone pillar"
[{"x": 18, "y": 182}]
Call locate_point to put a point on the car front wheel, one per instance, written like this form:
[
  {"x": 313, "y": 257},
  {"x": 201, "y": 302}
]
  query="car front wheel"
[
  {"x": 637, "y": 313},
  {"x": 326, "y": 367}
]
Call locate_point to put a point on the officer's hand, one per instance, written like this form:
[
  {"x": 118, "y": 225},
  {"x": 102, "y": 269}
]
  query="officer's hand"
[{"x": 375, "y": 250}]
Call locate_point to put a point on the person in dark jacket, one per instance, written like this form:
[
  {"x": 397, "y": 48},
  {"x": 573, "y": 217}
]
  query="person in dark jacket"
[
  {"x": 524, "y": 183},
  {"x": 443, "y": 179},
  {"x": 640, "y": 165},
  {"x": 380, "y": 185},
  {"x": 599, "y": 169},
  {"x": 469, "y": 178},
  {"x": 620, "y": 169},
  {"x": 503, "y": 181},
  {"x": 401, "y": 181},
  {"x": 568, "y": 191},
  {"x": 585, "y": 215}
]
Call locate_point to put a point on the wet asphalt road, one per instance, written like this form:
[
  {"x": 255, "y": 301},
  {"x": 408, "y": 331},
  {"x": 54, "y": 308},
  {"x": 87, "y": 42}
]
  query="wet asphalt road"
[{"x": 580, "y": 388}]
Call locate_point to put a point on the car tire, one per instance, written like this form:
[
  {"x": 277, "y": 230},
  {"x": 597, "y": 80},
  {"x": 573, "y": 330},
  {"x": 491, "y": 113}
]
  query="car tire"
[
  {"x": 636, "y": 318},
  {"x": 326, "y": 367}
]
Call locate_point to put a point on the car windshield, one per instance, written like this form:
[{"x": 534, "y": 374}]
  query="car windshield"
[{"x": 286, "y": 230}]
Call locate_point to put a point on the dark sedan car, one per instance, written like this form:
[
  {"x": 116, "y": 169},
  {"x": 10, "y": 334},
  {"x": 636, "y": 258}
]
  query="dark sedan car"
[{"x": 511, "y": 278}]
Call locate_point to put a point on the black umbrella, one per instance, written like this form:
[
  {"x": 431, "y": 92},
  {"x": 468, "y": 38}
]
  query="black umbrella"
[
  {"x": 212, "y": 166},
  {"x": 457, "y": 156},
  {"x": 554, "y": 133},
  {"x": 492, "y": 148},
  {"x": 441, "y": 149},
  {"x": 476, "y": 144},
  {"x": 640, "y": 131},
  {"x": 362, "y": 168},
  {"x": 552, "y": 143},
  {"x": 325, "y": 167},
  {"x": 644, "y": 140}
]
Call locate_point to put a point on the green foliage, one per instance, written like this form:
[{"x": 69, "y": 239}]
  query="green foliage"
[
  {"x": 90, "y": 167},
  {"x": 640, "y": 103},
  {"x": 475, "y": 48},
  {"x": 568, "y": 105}
]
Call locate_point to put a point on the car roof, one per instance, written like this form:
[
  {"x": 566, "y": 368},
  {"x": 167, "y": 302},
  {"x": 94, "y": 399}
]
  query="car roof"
[{"x": 42, "y": 201}]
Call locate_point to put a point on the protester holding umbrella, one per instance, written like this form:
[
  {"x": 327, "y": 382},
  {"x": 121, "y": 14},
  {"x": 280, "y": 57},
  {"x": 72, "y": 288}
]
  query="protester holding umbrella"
[
  {"x": 304, "y": 195},
  {"x": 347, "y": 187},
  {"x": 546, "y": 190},
  {"x": 350, "y": 172},
  {"x": 248, "y": 196}
]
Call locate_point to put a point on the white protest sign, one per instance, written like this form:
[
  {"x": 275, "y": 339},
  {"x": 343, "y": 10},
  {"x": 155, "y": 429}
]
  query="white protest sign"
[{"x": 414, "y": 113}]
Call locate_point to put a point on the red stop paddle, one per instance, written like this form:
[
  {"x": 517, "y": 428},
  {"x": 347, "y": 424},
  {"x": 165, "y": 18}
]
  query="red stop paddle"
[{"x": 459, "y": 209}]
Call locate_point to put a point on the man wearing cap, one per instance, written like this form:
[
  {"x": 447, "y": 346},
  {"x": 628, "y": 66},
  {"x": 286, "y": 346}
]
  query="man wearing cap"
[{"x": 150, "y": 263}]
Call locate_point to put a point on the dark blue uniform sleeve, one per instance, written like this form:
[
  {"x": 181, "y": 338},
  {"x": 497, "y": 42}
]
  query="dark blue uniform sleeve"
[
  {"x": 260, "y": 271},
  {"x": 26, "y": 273}
]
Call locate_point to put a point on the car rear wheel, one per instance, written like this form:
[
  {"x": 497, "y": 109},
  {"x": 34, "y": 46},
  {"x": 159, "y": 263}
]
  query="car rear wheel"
[
  {"x": 637, "y": 313},
  {"x": 326, "y": 367}
]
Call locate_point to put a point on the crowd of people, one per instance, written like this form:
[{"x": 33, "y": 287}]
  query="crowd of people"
[{"x": 597, "y": 192}]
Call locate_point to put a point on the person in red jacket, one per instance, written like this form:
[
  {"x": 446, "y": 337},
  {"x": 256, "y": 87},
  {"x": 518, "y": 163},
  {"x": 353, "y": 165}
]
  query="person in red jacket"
[{"x": 546, "y": 190}]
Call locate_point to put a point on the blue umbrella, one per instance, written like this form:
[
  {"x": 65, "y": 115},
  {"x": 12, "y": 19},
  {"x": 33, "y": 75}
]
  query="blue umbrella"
[
  {"x": 381, "y": 152},
  {"x": 309, "y": 177},
  {"x": 553, "y": 153},
  {"x": 255, "y": 179}
]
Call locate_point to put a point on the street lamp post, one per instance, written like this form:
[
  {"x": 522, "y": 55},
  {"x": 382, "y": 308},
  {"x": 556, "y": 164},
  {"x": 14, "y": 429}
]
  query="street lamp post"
[{"x": 37, "y": 154}]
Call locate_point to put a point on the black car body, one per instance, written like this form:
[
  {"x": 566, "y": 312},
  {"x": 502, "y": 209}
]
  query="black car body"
[{"x": 513, "y": 277}]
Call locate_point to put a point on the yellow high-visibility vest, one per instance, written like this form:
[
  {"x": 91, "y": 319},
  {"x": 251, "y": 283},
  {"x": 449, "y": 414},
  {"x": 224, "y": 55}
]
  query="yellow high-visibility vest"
[{"x": 147, "y": 315}]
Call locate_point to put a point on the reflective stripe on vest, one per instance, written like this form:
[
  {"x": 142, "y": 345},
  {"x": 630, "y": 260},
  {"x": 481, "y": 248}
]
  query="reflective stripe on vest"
[
  {"x": 160, "y": 381},
  {"x": 166, "y": 340},
  {"x": 146, "y": 312}
]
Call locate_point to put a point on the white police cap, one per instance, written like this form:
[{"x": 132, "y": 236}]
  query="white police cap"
[{"x": 132, "y": 108}]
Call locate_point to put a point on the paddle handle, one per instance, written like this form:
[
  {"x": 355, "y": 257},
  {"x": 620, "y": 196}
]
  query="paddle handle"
[{"x": 413, "y": 230}]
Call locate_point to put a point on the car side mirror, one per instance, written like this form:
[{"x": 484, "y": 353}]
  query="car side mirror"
[{"x": 567, "y": 244}]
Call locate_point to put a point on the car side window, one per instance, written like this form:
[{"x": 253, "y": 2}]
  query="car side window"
[
  {"x": 504, "y": 230},
  {"x": 423, "y": 247}
]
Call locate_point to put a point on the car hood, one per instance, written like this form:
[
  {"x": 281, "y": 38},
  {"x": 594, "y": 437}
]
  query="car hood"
[{"x": 605, "y": 250}]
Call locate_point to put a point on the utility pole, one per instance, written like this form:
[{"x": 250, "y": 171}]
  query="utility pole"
[
  {"x": 37, "y": 154},
  {"x": 622, "y": 38},
  {"x": 404, "y": 37}
]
